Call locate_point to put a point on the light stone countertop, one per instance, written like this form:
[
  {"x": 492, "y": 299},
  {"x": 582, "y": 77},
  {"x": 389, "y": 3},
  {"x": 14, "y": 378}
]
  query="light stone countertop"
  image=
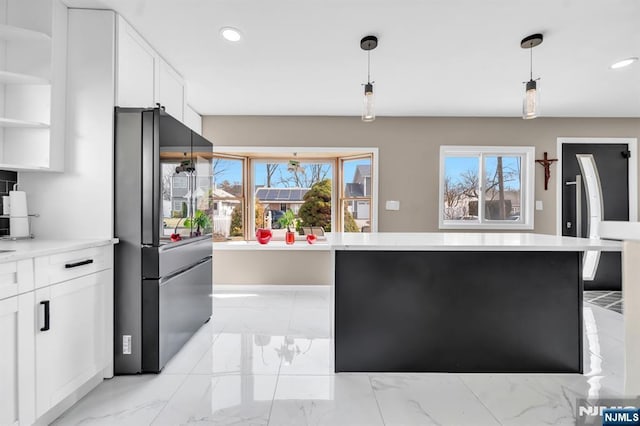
[
  {"x": 24, "y": 249},
  {"x": 434, "y": 241}
]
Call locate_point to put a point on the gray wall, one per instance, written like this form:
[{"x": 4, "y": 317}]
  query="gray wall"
[{"x": 409, "y": 151}]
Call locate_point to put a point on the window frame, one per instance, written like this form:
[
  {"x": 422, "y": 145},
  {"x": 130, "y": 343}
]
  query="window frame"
[
  {"x": 242, "y": 200},
  {"x": 251, "y": 198},
  {"x": 342, "y": 199},
  {"x": 262, "y": 153},
  {"x": 527, "y": 186}
]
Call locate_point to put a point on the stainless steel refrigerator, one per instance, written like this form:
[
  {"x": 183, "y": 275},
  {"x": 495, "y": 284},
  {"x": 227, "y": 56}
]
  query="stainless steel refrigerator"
[{"x": 163, "y": 209}]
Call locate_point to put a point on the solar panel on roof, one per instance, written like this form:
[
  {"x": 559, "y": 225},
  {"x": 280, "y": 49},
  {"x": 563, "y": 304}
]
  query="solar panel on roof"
[{"x": 272, "y": 194}]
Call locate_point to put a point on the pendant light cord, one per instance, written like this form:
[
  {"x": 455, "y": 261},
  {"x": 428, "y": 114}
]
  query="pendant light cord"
[
  {"x": 531, "y": 62},
  {"x": 368, "y": 66}
]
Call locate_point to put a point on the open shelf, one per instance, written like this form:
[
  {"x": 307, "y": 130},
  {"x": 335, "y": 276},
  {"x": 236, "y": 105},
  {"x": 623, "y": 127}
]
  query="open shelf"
[
  {"x": 10, "y": 122},
  {"x": 7, "y": 77},
  {"x": 11, "y": 33}
]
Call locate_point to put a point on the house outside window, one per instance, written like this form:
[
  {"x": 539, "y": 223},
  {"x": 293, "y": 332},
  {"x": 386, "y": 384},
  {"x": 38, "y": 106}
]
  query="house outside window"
[
  {"x": 229, "y": 216},
  {"x": 356, "y": 194},
  {"x": 484, "y": 187}
]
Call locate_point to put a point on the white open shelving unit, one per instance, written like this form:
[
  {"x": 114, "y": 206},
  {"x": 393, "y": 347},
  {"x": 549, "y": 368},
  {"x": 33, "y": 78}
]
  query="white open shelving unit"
[{"x": 32, "y": 70}]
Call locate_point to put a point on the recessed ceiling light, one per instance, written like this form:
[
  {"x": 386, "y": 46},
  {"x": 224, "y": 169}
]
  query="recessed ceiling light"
[
  {"x": 623, "y": 63},
  {"x": 230, "y": 34}
]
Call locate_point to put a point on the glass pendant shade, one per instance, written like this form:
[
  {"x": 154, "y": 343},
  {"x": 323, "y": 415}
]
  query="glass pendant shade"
[
  {"x": 531, "y": 101},
  {"x": 368, "y": 108}
]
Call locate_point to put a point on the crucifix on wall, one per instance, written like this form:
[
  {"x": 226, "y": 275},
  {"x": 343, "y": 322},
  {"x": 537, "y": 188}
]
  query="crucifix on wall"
[{"x": 546, "y": 162}]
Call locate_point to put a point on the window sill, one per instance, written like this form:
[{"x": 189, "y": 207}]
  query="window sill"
[
  {"x": 271, "y": 245},
  {"x": 488, "y": 227}
]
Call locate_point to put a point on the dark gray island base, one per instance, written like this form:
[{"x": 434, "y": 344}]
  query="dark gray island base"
[{"x": 458, "y": 311}]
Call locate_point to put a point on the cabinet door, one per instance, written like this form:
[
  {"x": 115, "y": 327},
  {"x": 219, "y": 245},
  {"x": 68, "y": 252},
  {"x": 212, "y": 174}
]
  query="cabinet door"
[
  {"x": 135, "y": 65},
  {"x": 170, "y": 90},
  {"x": 192, "y": 119},
  {"x": 73, "y": 349},
  {"x": 16, "y": 360}
]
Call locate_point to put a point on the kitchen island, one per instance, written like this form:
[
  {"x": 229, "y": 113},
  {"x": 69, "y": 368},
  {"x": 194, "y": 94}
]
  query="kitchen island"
[
  {"x": 456, "y": 302},
  {"x": 438, "y": 302}
]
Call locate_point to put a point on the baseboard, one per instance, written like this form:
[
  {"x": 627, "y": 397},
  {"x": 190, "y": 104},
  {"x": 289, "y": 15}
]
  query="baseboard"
[
  {"x": 69, "y": 401},
  {"x": 270, "y": 287}
]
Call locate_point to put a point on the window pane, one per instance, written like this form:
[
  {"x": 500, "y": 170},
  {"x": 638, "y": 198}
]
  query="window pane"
[
  {"x": 461, "y": 188},
  {"x": 357, "y": 177},
  {"x": 356, "y": 216},
  {"x": 227, "y": 199},
  {"x": 503, "y": 187},
  {"x": 300, "y": 186},
  {"x": 227, "y": 175}
]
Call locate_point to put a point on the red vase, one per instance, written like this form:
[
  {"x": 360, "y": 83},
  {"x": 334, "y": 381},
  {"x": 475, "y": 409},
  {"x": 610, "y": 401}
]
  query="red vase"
[
  {"x": 263, "y": 235},
  {"x": 311, "y": 238},
  {"x": 290, "y": 237}
]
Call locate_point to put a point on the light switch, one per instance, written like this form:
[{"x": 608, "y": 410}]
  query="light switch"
[
  {"x": 393, "y": 205},
  {"x": 538, "y": 204}
]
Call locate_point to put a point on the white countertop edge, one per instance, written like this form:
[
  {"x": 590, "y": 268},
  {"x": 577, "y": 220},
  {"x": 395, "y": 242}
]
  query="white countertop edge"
[
  {"x": 25, "y": 249},
  {"x": 475, "y": 248},
  {"x": 627, "y": 231},
  {"x": 271, "y": 246},
  {"x": 436, "y": 241}
]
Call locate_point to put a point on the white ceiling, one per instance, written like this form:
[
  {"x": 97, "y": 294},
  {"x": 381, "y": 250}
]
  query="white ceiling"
[{"x": 435, "y": 57}]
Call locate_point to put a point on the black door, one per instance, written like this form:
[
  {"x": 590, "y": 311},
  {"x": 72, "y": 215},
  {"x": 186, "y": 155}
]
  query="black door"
[{"x": 613, "y": 168}]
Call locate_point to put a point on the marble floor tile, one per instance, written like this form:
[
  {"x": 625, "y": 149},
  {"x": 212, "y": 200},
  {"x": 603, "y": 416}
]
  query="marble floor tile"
[
  {"x": 234, "y": 353},
  {"x": 193, "y": 351},
  {"x": 428, "y": 399},
  {"x": 340, "y": 400},
  {"x": 123, "y": 401},
  {"x": 220, "y": 400},
  {"x": 307, "y": 356},
  {"x": 258, "y": 320},
  {"x": 310, "y": 322},
  {"x": 525, "y": 399},
  {"x": 605, "y": 321},
  {"x": 267, "y": 358}
]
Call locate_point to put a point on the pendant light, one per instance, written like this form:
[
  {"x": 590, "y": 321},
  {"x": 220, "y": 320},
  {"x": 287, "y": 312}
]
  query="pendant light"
[
  {"x": 368, "y": 43},
  {"x": 531, "y": 101}
]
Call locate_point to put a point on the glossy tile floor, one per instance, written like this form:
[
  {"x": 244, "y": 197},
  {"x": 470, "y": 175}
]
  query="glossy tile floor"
[{"x": 267, "y": 359}]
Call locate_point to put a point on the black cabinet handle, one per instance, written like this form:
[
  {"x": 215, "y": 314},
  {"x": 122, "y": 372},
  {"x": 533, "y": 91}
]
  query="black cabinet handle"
[
  {"x": 46, "y": 315},
  {"x": 75, "y": 265}
]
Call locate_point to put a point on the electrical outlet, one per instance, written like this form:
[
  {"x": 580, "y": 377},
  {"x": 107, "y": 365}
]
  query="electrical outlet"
[
  {"x": 126, "y": 345},
  {"x": 538, "y": 204},
  {"x": 393, "y": 205}
]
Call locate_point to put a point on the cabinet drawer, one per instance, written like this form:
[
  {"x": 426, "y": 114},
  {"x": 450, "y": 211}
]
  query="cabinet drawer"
[
  {"x": 72, "y": 264},
  {"x": 16, "y": 278}
]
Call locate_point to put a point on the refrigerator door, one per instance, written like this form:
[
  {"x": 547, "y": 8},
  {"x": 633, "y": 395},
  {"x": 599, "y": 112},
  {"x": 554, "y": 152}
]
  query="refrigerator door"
[
  {"x": 166, "y": 153},
  {"x": 165, "y": 260},
  {"x": 174, "y": 308}
]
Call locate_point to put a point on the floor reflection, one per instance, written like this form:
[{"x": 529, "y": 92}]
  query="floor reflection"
[{"x": 267, "y": 358}]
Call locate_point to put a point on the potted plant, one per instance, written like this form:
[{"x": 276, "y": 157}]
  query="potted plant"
[
  {"x": 200, "y": 220},
  {"x": 288, "y": 219}
]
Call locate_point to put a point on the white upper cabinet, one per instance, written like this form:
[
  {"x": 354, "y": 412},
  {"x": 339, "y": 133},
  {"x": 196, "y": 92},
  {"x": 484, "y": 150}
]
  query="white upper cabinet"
[
  {"x": 143, "y": 78},
  {"x": 136, "y": 68},
  {"x": 32, "y": 84},
  {"x": 170, "y": 92},
  {"x": 192, "y": 119}
]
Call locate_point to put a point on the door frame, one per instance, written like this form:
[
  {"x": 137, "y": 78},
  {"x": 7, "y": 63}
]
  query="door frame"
[{"x": 632, "y": 144}]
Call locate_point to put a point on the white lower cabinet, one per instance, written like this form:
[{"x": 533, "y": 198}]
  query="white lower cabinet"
[
  {"x": 70, "y": 338},
  {"x": 17, "y": 405},
  {"x": 56, "y": 341}
]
